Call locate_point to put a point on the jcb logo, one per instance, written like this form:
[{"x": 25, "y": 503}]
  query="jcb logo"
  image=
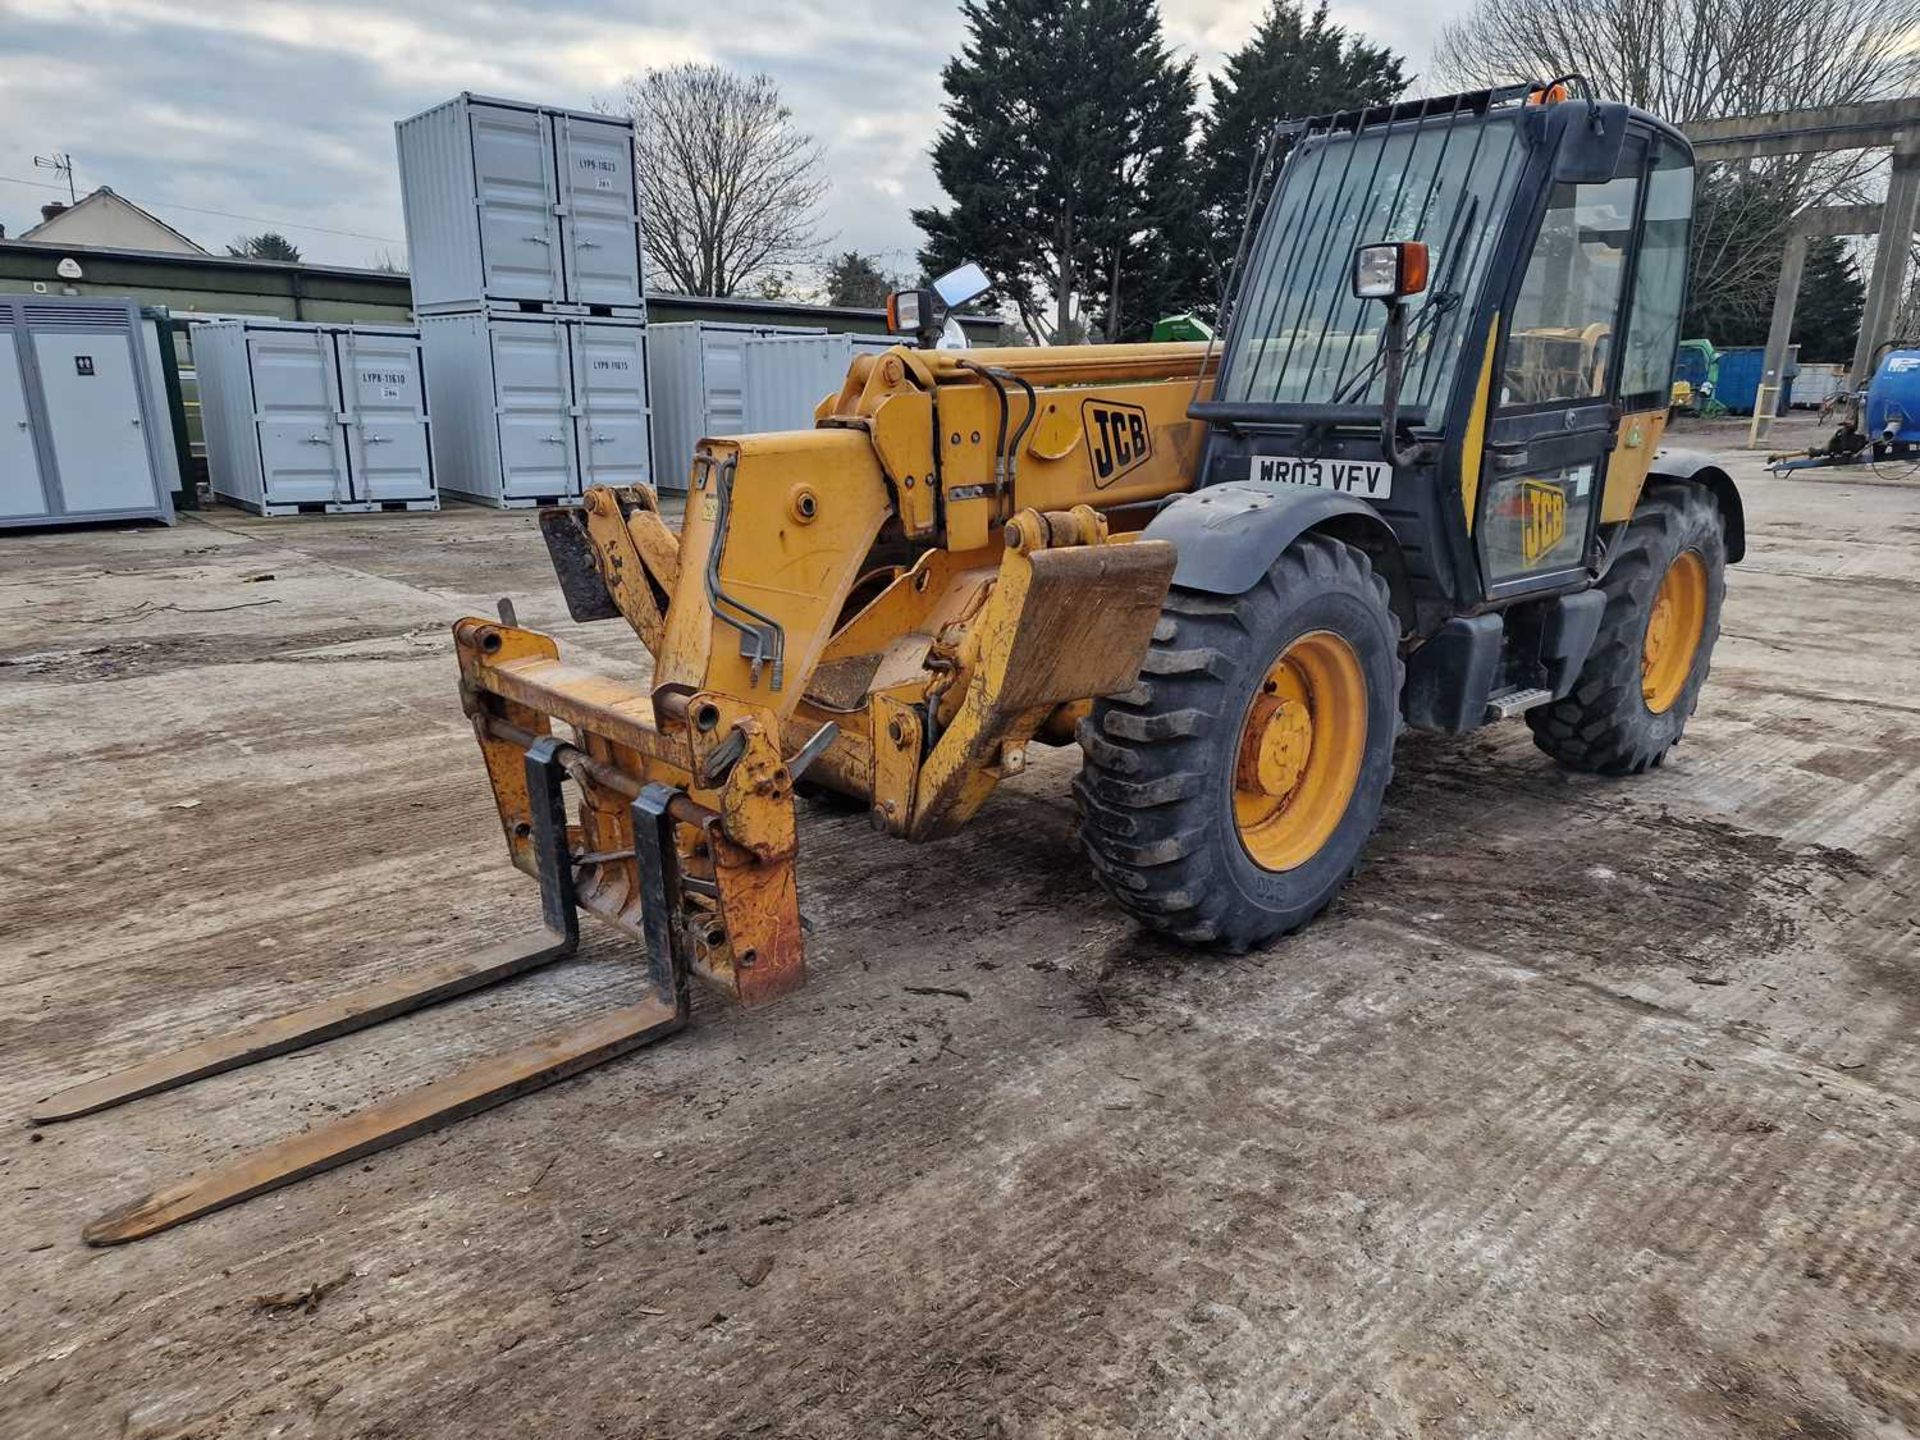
[
  {"x": 1117, "y": 438},
  {"x": 1543, "y": 518}
]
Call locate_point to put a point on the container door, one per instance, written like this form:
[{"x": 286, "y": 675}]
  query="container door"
[
  {"x": 95, "y": 420},
  {"x": 597, "y": 178},
  {"x": 21, "y": 492},
  {"x": 533, "y": 398},
  {"x": 723, "y": 380},
  {"x": 386, "y": 407},
  {"x": 514, "y": 182},
  {"x": 296, "y": 409},
  {"x": 610, "y": 377}
]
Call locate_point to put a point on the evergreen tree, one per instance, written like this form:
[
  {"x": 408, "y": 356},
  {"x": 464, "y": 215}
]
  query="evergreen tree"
[
  {"x": 1297, "y": 63},
  {"x": 857, "y": 280},
  {"x": 1735, "y": 209},
  {"x": 1064, "y": 156},
  {"x": 268, "y": 245},
  {"x": 1827, "y": 319},
  {"x": 1145, "y": 246}
]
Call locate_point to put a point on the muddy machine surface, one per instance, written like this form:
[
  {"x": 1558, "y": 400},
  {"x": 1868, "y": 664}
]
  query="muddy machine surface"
[{"x": 1422, "y": 480}]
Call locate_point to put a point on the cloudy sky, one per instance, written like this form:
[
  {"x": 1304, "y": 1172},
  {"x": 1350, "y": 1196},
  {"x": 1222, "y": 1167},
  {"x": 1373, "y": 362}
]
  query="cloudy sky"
[{"x": 282, "y": 111}]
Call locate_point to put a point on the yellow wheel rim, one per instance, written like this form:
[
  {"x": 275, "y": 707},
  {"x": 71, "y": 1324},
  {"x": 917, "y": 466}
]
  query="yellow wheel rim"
[
  {"x": 1674, "y": 627},
  {"x": 1300, "y": 751}
]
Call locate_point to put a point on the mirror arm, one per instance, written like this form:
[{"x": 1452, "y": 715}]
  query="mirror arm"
[{"x": 1393, "y": 373}]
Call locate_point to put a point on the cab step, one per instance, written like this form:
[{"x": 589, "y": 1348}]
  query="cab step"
[{"x": 1505, "y": 704}]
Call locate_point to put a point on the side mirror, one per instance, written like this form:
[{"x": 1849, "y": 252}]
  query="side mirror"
[
  {"x": 1593, "y": 137},
  {"x": 957, "y": 287},
  {"x": 923, "y": 313},
  {"x": 1390, "y": 272}
]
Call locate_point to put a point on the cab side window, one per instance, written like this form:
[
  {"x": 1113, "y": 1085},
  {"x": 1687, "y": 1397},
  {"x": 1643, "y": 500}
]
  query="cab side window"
[
  {"x": 1560, "y": 340},
  {"x": 1659, "y": 285}
]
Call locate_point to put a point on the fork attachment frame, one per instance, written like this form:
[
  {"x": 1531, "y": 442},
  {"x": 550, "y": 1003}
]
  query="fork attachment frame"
[{"x": 549, "y": 1058}]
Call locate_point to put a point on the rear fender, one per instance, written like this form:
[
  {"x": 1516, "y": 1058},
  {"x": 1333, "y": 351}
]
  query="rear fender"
[
  {"x": 1700, "y": 469},
  {"x": 1228, "y": 536}
]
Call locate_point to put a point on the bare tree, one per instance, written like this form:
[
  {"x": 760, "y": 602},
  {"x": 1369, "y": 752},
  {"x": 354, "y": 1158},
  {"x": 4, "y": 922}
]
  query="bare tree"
[
  {"x": 730, "y": 189},
  {"x": 1702, "y": 59},
  {"x": 1694, "y": 59}
]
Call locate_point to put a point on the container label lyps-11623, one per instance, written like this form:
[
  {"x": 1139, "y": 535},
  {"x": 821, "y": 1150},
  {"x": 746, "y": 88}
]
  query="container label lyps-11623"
[{"x": 602, "y": 181}]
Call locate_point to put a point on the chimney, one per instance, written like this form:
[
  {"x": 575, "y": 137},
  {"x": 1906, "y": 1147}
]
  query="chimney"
[{"x": 50, "y": 209}]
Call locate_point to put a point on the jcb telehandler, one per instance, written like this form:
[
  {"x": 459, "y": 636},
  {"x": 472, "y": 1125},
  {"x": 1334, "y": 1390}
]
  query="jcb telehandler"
[{"x": 1422, "y": 481}]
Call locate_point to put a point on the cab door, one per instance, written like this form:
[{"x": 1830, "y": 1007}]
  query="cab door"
[{"x": 1554, "y": 417}]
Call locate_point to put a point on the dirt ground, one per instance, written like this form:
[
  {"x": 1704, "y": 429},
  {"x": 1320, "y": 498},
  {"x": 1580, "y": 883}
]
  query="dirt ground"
[{"x": 1592, "y": 1109}]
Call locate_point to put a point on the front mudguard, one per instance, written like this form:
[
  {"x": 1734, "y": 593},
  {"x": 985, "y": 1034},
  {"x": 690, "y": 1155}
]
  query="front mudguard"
[{"x": 1229, "y": 535}]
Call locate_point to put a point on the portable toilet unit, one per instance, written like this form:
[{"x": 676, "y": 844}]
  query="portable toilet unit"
[
  {"x": 513, "y": 205},
  {"x": 1893, "y": 400},
  {"x": 531, "y": 409},
  {"x": 86, "y": 421},
  {"x": 699, "y": 378},
  {"x": 314, "y": 418},
  {"x": 787, "y": 376}
]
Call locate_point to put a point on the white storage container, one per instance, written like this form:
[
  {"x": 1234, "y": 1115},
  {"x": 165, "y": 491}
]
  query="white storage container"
[
  {"x": 85, "y": 428},
  {"x": 510, "y": 205},
  {"x": 1815, "y": 384},
  {"x": 787, "y": 376},
  {"x": 700, "y": 388},
  {"x": 531, "y": 409},
  {"x": 314, "y": 417}
]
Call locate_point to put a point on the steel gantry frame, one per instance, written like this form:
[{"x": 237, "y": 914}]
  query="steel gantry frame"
[{"x": 1880, "y": 124}]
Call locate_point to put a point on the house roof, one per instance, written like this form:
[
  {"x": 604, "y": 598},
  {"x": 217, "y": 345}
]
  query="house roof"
[{"x": 107, "y": 198}]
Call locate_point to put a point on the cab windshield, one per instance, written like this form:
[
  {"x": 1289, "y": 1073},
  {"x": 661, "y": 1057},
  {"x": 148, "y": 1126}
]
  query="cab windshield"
[{"x": 1299, "y": 336}]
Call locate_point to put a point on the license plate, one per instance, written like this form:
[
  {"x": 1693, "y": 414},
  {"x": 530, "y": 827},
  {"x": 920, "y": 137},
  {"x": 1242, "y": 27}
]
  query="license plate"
[{"x": 1370, "y": 479}]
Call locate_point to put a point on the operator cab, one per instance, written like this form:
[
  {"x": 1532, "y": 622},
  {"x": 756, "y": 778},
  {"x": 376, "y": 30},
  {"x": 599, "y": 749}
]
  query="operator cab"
[{"x": 1463, "y": 312}]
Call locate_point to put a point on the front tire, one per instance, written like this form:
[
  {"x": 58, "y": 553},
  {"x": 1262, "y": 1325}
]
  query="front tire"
[
  {"x": 1226, "y": 798},
  {"x": 1642, "y": 678}
]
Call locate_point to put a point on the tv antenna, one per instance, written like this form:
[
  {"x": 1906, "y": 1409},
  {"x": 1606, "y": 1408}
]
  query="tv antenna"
[{"x": 60, "y": 165}]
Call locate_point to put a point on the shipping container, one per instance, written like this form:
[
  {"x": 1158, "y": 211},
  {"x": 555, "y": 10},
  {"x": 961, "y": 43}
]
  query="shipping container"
[
  {"x": 531, "y": 409},
  {"x": 1737, "y": 381},
  {"x": 311, "y": 418},
  {"x": 699, "y": 388},
  {"x": 183, "y": 326},
  {"x": 1815, "y": 384},
  {"x": 86, "y": 427},
  {"x": 787, "y": 376},
  {"x": 516, "y": 206}
]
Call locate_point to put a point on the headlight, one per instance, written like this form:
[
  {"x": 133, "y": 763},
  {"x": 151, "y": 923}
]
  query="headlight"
[
  {"x": 908, "y": 311},
  {"x": 1390, "y": 272}
]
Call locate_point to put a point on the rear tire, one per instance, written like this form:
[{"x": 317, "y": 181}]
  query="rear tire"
[
  {"x": 1634, "y": 695},
  {"x": 1172, "y": 809}
]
